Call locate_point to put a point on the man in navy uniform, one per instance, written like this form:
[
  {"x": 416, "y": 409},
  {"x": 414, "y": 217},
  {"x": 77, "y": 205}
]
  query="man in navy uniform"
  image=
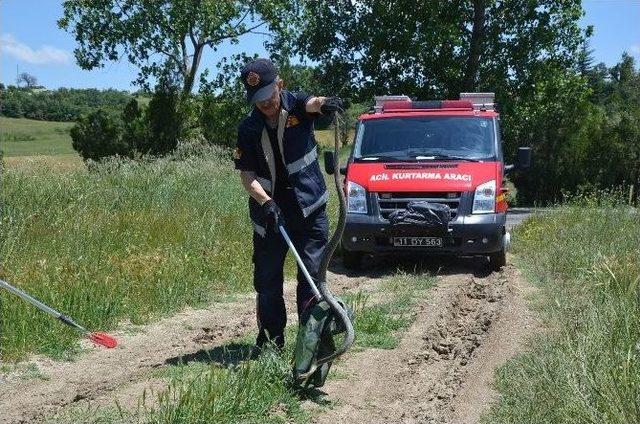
[{"x": 278, "y": 161}]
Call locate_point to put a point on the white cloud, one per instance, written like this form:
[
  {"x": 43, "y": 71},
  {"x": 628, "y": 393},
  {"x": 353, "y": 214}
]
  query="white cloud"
[{"x": 44, "y": 55}]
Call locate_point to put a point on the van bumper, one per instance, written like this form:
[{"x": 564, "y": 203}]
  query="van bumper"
[{"x": 468, "y": 235}]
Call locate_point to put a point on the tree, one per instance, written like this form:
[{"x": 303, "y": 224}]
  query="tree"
[
  {"x": 29, "y": 80},
  {"x": 164, "y": 38},
  {"x": 433, "y": 49}
]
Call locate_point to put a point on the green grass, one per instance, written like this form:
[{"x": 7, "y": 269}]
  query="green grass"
[
  {"x": 127, "y": 241},
  {"x": 255, "y": 391},
  {"x": 586, "y": 369},
  {"x": 28, "y": 137}
]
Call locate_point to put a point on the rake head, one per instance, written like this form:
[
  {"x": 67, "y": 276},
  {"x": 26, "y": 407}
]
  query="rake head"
[{"x": 103, "y": 339}]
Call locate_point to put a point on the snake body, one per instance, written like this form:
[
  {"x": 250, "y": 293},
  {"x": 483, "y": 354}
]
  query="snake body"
[{"x": 330, "y": 249}]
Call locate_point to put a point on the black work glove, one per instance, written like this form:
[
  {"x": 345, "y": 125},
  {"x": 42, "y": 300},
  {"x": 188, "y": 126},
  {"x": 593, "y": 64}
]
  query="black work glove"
[
  {"x": 332, "y": 104},
  {"x": 272, "y": 215}
]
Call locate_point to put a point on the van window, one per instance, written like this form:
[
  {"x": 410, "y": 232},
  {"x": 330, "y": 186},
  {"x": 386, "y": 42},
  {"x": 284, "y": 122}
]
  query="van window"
[{"x": 411, "y": 137}]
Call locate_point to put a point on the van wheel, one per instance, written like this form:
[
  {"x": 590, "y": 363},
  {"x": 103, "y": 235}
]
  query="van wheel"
[
  {"x": 498, "y": 260},
  {"x": 351, "y": 260}
]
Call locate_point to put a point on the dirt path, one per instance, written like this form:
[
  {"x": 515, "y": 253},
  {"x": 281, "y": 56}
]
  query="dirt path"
[
  {"x": 100, "y": 376},
  {"x": 442, "y": 370}
]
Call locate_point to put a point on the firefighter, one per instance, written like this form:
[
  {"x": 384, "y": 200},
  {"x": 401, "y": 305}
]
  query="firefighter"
[{"x": 278, "y": 161}]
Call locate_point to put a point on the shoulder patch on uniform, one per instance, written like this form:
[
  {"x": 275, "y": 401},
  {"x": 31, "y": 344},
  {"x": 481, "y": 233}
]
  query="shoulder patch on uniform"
[
  {"x": 292, "y": 121},
  {"x": 237, "y": 153},
  {"x": 253, "y": 79}
]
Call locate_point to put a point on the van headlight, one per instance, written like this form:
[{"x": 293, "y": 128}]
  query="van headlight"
[
  {"x": 356, "y": 198},
  {"x": 484, "y": 199}
]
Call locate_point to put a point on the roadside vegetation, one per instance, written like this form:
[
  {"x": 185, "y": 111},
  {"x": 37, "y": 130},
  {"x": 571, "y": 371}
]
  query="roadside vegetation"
[{"x": 586, "y": 260}]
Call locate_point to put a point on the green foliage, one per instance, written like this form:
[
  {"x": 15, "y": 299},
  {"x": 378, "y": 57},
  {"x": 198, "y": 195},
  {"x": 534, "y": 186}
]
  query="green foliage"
[
  {"x": 98, "y": 135},
  {"x": 64, "y": 104},
  {"x": 219, "y": 117},
  {"x": 164, "y": 39},
  {"x": 584, "y": 129},
  {"x": 373, "y": 47},
  {"x": 135, "y": 133},
  {"x": 164, "y": 121},
  {"x": 585, "y": 368}
]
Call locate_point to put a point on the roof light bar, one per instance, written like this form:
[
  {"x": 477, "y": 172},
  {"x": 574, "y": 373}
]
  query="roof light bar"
[
  {"x": 480, "y": 101},
  {"x": 402, "y": 103},
  {"x": 381, "y": 100}
]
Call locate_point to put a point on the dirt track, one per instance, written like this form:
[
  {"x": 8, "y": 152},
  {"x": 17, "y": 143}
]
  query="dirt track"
[
  {"x": 441, "y": 372},
  {"x": 443, "y": 368}
]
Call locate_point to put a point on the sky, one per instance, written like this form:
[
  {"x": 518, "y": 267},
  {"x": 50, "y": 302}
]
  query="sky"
[{"x": 30, "y": 41}]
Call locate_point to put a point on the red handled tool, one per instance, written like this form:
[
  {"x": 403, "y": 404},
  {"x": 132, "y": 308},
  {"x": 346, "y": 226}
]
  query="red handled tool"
[{"x": 101, "y": 339}]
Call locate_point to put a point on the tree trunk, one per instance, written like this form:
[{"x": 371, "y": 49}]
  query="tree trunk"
[
  {"x": 193, "y": 69},
  {"x": 475, "y": 50}
]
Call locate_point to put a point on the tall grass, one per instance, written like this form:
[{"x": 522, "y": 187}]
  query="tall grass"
[
  {"x": 586, "y": 260},
  {"x": 124, "y": 241}
]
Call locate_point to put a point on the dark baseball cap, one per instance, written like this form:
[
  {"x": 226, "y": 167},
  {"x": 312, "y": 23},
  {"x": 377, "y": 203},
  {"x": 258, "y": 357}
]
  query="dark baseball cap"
[{"x": 259, "y": 79}]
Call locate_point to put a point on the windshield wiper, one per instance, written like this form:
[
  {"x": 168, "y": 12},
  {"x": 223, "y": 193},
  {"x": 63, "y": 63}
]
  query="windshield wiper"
[
  {"x": 384, "y": 158},
  {"x": 439, "y": 156}
]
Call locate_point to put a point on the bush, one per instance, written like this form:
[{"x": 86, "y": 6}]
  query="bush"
[
  {"x": 135, "y": 132},
  {"x": 164, "y": 121},
  {"x": 221, "y": 115},
  {"x": 98, "y": 135}
]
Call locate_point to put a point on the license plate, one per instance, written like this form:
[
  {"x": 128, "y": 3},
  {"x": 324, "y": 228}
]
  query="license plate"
[{"x": 418, "y": 241}]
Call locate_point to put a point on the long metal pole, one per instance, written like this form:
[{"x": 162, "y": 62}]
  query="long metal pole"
[
  {"x": 315, "y": 290},
  {"x": 35, "y": 302}
]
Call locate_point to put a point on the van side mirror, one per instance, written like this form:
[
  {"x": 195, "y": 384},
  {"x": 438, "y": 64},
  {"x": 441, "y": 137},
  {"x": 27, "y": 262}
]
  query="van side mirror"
[
  {"x": 329, "y": 163},
  {"x": 523, "y": 160}
]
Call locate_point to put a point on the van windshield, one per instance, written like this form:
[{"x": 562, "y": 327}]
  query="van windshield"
[{"x": 426, "y": 137}]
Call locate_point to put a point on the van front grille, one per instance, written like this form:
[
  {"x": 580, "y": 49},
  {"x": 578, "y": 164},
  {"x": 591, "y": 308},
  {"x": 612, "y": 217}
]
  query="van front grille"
[{"x": 389, "y": 202}]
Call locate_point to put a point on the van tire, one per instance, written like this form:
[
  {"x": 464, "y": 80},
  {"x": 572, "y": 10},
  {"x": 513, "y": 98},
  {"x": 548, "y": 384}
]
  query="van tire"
[
  {"x": 351, "y": 260},
  {"x": 498, "y": 260}
]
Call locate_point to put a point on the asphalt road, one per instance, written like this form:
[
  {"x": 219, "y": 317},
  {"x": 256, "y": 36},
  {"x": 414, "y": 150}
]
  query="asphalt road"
[{"x": 516, "y": 216}]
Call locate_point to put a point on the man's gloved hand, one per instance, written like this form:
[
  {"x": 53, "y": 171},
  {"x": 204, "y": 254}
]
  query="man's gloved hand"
[
  {"x": 332, "y": 104},
  {"x": 272, "y": 215}
]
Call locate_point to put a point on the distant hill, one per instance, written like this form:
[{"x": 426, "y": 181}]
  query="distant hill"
[{"x": 63, "y": 104}]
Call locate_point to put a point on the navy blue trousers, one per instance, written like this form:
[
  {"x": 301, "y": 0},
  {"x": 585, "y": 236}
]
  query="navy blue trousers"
[{"x": 309, "y": 236}]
